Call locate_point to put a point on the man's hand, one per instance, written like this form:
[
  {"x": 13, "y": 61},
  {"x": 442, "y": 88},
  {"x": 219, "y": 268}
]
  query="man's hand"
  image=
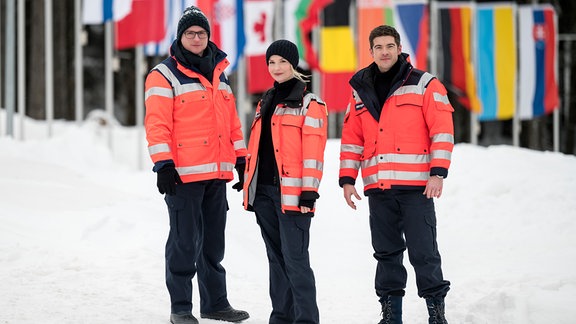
[
  {"x": 167, "y": 179},
  {"x": 350, "y": 190},
  {"x": 434, "y": 187}
]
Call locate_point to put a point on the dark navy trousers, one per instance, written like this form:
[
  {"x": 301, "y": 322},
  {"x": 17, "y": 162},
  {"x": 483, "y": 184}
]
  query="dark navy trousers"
[
  {"x": 196, "y": 245},
  {"x": 292, "y": 283},
  {"x": 400, "y": 220}
]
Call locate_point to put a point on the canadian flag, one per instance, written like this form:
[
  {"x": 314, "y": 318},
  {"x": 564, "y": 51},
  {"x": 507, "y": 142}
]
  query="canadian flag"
[{"x": 258, "y": 27}]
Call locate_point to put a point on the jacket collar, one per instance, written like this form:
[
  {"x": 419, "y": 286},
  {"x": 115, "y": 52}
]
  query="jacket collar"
[
  {"x": 293, "y": 100},
  {"x": 295, "y": 97},
  {"x": 363, "y": 82}
]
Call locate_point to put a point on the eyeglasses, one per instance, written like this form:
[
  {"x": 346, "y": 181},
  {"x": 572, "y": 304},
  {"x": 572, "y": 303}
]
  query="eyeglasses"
[{"x": 191, "y": 34}]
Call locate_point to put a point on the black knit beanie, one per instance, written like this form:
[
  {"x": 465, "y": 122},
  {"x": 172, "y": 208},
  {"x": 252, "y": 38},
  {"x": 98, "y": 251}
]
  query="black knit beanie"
[
  {"x": 192, "y": 16},
  {"x": 284, "y": 48}
]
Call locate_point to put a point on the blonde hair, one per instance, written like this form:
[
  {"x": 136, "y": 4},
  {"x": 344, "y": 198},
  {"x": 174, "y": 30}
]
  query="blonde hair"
[{"x": 300, "y": 76}]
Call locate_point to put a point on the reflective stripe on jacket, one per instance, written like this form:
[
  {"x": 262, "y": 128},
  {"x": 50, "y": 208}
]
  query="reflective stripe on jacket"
[
  {"x": 192, "y": 121},
  {"x": 410, "y": 140},
  {"x": 299, "y": 134}
]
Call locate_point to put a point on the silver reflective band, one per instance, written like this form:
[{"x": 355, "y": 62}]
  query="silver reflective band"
[
  {"x": 352, "y": 148},
  {"x": 313, "y": 164},
  {"x": 203, "y": 168},
  {"x": 239, "y": 145},
  {"x": 158, "y": 148},
  {"x": 350, "y": 164},
  {"x": 290, "y": 200},
  {"x": 443, "y": 137},
  {"x": 441, "y": 98},
  {"x": 159, "y": 91}
]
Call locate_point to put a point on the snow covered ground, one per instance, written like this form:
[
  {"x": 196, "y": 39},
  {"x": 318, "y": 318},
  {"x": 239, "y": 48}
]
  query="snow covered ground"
[{"x": 82, "y": 233}]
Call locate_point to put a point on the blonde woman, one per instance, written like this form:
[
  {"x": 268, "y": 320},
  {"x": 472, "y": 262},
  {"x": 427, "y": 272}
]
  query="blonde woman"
[{"x": 283, "y": 173}]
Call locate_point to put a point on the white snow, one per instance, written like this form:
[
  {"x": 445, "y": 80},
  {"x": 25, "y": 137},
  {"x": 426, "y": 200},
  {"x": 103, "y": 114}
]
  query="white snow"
[{"x": 83, "y": 228}]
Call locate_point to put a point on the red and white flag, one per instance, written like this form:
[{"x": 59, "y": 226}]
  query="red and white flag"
[
  {"x": 226, "y": 29},
  {"x": 144, "y": 23},
  {"x": 538, "y": 58},
  {"x": 258, "y": 16}
]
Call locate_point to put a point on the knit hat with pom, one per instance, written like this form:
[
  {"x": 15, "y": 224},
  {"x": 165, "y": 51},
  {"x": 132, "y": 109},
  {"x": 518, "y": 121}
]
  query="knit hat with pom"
[{"x": 192, "y": 16}]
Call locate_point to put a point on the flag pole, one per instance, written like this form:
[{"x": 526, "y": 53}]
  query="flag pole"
[
  {"x": 10, "y": 64},
  {"x": 315, "y": 72},
  {"x": 556, "y": 113},
  {"x": 1, "y": 73},
  {"x": 474, "y": 123},
  {"x": 108, "y": 79},
  {"x": 516, "y": 125},
  {"x": 49, "y": 65},
  {"x": 139, "y": 84},
  {"x": 568, "y": 39},
  {"x": 242, "y": 96},
  {"x": 21, "y": 31},
  {"x": 434, "y": 46},
  {"x": 78, "y": 71}
]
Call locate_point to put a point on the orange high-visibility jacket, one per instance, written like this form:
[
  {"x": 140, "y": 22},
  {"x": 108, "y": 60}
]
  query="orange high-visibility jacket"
[
  {"x": 409, "y": 141},
  {"x": 193, "y": 122},
  {"x": 299, "y": 133}
]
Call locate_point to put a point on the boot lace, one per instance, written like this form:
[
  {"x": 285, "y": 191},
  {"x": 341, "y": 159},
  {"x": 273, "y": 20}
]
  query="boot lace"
[
  {"x": 386, "y": 312},
  {"x": 437, "y": 313}
]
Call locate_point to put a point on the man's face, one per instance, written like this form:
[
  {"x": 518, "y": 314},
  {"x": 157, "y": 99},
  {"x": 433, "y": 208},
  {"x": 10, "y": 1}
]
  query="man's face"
[
  {"x": 195, "y": 39},
  {"x": 385, "y": 52}
]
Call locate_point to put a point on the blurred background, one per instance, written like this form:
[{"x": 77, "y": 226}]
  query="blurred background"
[{"x": 509, "y": 66}]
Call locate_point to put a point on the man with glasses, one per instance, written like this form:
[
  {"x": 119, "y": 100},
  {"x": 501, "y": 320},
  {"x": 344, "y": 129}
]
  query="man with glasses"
[{"x": 195, "y": 141}]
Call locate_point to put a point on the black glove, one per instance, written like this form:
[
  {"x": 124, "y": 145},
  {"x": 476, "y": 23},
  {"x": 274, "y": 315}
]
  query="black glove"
[
  {"x": 308, "y": 199},
  {"x": 240, "y": 167},
  {"x": 167, "y": 179}
]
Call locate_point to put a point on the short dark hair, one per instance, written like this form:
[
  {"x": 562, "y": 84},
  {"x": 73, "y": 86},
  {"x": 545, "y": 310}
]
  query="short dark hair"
[{"x": 384, "y": 30}]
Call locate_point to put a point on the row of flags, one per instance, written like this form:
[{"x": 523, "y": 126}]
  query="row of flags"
[
  {"x": 153, "y": 23},
  {"x": 498, "y": 59}
]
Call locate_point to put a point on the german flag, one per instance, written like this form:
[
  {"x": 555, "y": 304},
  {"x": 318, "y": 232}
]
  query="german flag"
[
  {"x": 337, "y": 55},
  {"x": 456, "y": 68}
]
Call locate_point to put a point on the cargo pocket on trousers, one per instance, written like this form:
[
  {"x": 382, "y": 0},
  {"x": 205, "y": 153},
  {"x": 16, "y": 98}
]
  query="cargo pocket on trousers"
[
  {"x": 175, "y": 206},
  {"x": 430, "y": 218},
  {"x": 299, "y": 234}
]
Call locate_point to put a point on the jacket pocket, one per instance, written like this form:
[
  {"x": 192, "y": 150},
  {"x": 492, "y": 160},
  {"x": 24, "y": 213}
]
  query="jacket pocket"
[
  {"x": 406, "y": 101},
  {"x": 193, "y": 142},
  {"x": 295, "y": 121},
  {"x": 411, "y": 148},
  {"x": 291, "y": 139},
  {"x": 194, "y": 150}
]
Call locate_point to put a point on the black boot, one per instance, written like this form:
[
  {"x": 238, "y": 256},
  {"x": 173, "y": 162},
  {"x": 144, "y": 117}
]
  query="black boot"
[
  {"x": 228, "y": 314},
  {"x": 391, "y": 310},
  {"x": 436, "y": 310},
  {"x": 183, "y": 319}
]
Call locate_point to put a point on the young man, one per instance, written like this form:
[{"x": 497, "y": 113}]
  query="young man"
[
  {"x": 195, "y": 140},
  {"x": 399, "y": 130}
]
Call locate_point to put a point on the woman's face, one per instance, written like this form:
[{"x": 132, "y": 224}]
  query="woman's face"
[{"x": 280, "y": 69}]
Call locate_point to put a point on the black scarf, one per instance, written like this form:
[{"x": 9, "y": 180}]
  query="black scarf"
[
  {"x": 204, "y": 64},
  {"x": 267, "y": 169}
]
